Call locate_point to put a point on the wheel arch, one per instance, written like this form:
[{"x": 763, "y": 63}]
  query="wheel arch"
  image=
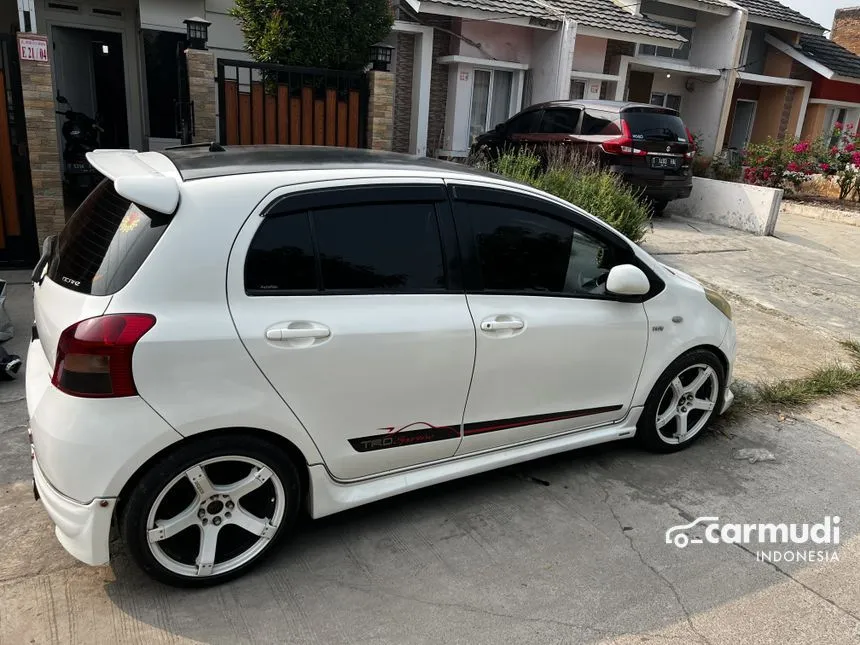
[{"x": 299, "y": 459}]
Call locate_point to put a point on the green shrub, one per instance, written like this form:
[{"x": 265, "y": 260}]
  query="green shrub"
[
  {"x": 579, "y": 181},
  {"x": 335, "y": 34}
]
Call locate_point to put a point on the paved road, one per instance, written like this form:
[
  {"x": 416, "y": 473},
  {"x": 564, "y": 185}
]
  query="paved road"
[{"x": 569, "y": 549}]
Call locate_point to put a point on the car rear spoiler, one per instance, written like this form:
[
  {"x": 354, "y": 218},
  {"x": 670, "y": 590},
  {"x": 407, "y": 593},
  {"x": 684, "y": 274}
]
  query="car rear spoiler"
[{"x": 148, "y": 179}]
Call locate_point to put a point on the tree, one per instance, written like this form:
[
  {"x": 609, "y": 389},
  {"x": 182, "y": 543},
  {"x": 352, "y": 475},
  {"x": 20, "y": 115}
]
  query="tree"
[{"x": 333, "y": 34}]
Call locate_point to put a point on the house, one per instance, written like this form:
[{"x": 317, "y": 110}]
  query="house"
[
  {"x": 792, "y": 81},
  {"x": 462, "y": 66}
]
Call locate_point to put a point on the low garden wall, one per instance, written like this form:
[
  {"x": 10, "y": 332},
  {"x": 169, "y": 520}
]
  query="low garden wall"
[{"x": 754, "y": 209}]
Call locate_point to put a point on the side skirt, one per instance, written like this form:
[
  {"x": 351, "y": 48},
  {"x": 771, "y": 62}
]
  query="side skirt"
[{"x": 328, "y": 496}]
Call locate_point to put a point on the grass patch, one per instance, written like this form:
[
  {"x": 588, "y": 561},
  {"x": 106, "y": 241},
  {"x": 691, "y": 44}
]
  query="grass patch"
[{"x": 823, "y": 382}]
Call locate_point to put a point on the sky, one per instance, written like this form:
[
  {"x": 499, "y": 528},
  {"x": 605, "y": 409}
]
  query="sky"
[{"x": 821, "y": 11}]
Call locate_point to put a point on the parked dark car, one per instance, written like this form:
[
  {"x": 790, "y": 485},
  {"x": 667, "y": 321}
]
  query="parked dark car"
[{"x": 648, "y": 145}]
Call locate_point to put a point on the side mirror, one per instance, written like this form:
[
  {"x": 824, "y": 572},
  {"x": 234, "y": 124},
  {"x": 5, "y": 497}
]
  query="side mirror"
[
  {"x": 627, "y": 280},
  {"x": 500, "y": 128},
  {"x": 62, "y": 100}
]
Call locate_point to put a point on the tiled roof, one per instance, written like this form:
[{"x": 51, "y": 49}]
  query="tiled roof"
[
  {"x": 777, "y": 11},
  {"x": 599, "y": 14},
  {"x": 829, "y": 54}
]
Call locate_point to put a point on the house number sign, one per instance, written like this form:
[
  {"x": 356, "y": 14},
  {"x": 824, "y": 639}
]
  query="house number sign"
[{"x": 33, "y": 49}]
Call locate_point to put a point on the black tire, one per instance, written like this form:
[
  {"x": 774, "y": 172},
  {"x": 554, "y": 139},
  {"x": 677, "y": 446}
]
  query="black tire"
[
  {"x": 658, "y": 207},
  {"x": 647, "y": 434},
  {"x": 134, "y": 514}
]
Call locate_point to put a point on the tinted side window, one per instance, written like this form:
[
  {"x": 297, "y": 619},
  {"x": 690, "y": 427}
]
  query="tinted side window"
[
  {"x": 281, "y": 257},
  {"x": 560, "y": 121},
  {"x": 524, "y": 123},
  {"x": 600, "y": 122},
  {"x": 380, "y": 247},
  {"x": 525, "y": 252}
]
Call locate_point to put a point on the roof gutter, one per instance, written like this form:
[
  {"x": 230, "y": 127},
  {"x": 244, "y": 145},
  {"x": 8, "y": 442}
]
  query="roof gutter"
[{"x": 790, "y": 51}]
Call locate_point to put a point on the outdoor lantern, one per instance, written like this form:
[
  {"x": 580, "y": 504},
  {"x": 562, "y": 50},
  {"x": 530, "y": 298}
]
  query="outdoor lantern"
[
  {"x": 197, "y": 32},
  {"x": 380, "y": 56}
]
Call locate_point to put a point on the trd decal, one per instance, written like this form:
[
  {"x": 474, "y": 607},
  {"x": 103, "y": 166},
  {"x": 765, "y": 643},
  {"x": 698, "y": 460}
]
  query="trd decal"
[
  {"x": 423, "y": 432},
  {"x": 417, "y": 432}
]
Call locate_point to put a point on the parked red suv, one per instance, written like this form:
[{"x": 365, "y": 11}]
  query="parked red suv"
[{"x": 648, "y": 145}]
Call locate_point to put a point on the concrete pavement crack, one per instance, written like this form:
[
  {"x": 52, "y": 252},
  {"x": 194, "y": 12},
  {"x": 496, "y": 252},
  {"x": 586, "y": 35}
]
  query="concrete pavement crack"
[
  {"x": 480, "y": 610},
  {"x": 668, "y": 583},
  {"x": 785, "y": 573}
]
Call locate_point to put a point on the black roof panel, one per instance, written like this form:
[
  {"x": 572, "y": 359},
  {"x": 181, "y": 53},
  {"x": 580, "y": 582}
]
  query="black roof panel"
[{"x": 198, "y": 162}]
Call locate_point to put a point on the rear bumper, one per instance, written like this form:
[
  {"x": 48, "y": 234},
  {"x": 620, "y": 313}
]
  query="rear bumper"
[
  {"x": 89, "y": 448},
  {"x": 82, "y": 529},
  {"x": 656, "y": 184}
]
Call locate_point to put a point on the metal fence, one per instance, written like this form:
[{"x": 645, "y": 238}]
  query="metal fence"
[{"x": 262, "y": 103}]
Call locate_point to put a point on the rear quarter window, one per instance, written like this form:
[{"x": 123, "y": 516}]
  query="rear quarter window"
[{"x": 105, "y": 242}]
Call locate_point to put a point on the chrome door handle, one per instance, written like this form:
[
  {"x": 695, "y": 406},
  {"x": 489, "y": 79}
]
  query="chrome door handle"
[
  {"x": 497, "y": 325},
  {"x": 298, "y": 330}
]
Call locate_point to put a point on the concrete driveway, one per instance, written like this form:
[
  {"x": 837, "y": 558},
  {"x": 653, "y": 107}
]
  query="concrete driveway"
[{"x": 569, "y": 549}]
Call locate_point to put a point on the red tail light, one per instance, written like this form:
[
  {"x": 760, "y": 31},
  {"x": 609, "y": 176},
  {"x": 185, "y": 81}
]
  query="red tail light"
[
  {"x": 689, "y": 155},
  {"x": 623, "y": 145},
  {"x": 94, "y": 355}
]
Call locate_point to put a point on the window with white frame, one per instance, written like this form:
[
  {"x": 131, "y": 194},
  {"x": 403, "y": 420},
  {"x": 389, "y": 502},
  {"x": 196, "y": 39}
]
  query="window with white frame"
[
  {"x": 577, "y": 90},
  {"x": 682, "y": 53},
  {"x": 745, "y": 48},
  {"x": 491, "y": 100},
  {"x": 842, "y": 115},
  {"x": 662, "y": 99}
]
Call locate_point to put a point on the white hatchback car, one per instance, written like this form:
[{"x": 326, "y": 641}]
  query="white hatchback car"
[{"x": 224, "y": 337}]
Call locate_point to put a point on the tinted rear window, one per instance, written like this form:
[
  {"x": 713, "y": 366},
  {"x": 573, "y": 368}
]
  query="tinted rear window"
[
  {"x": 653, "y": 124},
  {"x": 104, "y": 243}
]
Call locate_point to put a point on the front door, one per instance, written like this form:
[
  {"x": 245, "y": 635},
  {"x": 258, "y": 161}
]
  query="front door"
[
  {"x": 555, "y": 352},
  {"x": 742, "y": 124},
  {"x": 18, "y": 247},
  {"x": 349, "y": 302}
]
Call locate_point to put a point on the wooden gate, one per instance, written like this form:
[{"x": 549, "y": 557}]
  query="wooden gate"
[
  {"x": 18, "y": 246},
  {"x": 275, "y": 104}
]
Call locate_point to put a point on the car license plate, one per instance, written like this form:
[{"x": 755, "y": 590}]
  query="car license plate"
[{"x": 667, "y": 163}]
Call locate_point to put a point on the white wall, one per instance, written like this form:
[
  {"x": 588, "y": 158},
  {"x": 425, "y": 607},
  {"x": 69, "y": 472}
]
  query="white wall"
[
  {"x": 673, "y": 85},
  {"x": 225, "y": 37},
  {"x": 589, "y": 54},
  {"x": 460, "y": 79},
  {"x": 716, "y": 40},
  {"x": 502, "y": 42},
  {"x": 552, "y": 56},
  {"x": 754, "y": 209}
]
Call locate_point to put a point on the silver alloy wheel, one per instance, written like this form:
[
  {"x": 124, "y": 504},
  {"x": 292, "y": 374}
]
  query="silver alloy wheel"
[
  {"x": 214, "y": 508},
  {"x": 687, "y": 404}
]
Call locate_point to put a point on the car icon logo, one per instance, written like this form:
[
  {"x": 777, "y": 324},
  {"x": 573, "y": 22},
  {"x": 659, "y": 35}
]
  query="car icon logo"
[
  {"x": 677, "y": 534},
  {"x": 668, "y": 148}
]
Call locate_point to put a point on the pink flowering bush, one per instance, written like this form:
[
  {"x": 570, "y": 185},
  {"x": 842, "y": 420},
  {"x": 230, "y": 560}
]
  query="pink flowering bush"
[
  {"x": 785, "y": 163},
  {"x": 843, "y": 162}
]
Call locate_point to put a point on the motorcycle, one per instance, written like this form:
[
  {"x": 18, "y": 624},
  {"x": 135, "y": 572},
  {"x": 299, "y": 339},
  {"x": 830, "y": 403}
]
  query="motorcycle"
[
  {"x": 9, "y": 363},
  {"x": 81, "y": 134}
]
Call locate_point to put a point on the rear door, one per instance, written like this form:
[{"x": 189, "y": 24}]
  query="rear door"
[
  {"x": 558, "y": 126},
  {"x": 350, "y": 302},
  {"x": 663, "y": 136}
]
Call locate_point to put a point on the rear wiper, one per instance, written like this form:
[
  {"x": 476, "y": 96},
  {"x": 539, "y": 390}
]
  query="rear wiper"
[{"x": 48, "y": 248}]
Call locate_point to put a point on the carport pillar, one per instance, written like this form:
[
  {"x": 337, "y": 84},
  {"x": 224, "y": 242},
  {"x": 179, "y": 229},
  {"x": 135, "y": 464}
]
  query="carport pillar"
[
  {"x": 45, "y": 169},
  {"x": 202, "y": 94},
  {"x": 380, "y": 110}
]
